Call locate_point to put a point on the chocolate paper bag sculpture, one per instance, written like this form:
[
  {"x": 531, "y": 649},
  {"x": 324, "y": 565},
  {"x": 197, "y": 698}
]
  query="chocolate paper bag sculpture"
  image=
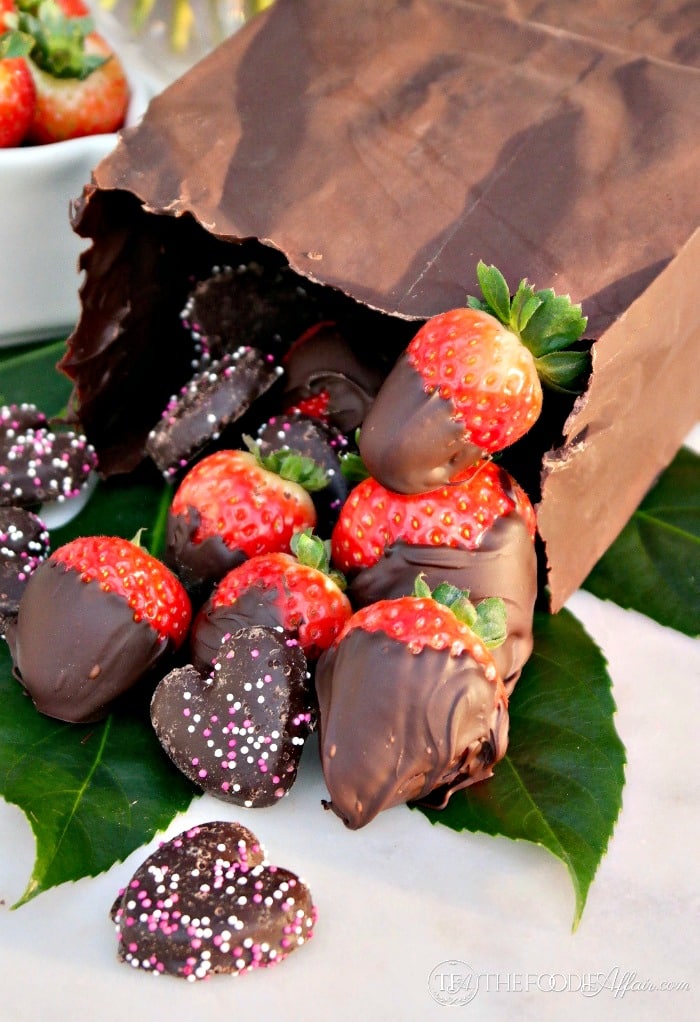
[{"x": 381, "y": 149}]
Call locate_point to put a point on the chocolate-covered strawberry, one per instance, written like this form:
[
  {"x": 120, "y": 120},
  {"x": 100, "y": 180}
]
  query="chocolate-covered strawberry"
[
  {"x": 209, "y": 902},
  {"x": 468, "y": 384},
  {"x": 411, "y": 703},
  {"x": 239, "y": 731},
  {"x": 477, "y": 533},
  {"x": 298, "y": 592},
  {"x": 94, "y": 619},
  {"x": 234, "y": 504},
  {"x": 326, "y": 377}
]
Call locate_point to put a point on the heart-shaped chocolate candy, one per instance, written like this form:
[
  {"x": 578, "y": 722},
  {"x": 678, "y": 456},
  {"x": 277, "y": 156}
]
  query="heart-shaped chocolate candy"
[{"x": 239, "y": 732}]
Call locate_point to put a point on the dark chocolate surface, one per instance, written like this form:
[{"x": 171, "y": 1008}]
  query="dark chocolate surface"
[
  {"x": 208, "y": 902},
  {"x": 75, "y": 648},
  {"x": 198, "y": 565},
  {"x": 24, "y": 545},
  {"x": 355, "y": 158},
  {"x": 396, "y": 726},
  {"x": 38, "y": 463},
  {"x": 239, "y": 731},
  {"x": 410, "y": 441},
  {"x": 504, "y": 565},
  {"x": 324, "y": 361}
]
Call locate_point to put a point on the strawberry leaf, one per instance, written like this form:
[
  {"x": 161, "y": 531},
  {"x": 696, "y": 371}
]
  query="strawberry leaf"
[
  {"x": 546, "y": 323},
  {"x": 561, "y": 369},
  {"x": 92, "y": 793},
  {"x": 495, "y": 291},
  {"x": 560, "y": 785},
  {"x": 554, "y": 325},
  {"x": 654, "y": 564}
]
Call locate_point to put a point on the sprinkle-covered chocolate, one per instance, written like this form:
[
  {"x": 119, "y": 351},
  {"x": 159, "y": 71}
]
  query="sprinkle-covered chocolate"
[
  {"x": 24, "y": 545},
  {"x": 208, "y": 902},
  {"x": 258, "y": 301},
  {"x": 239, "y": 732},
  {"x": 38, "y": 464},
  {"x": 213, "y": 400},
  {"x": 322, "y": 443}
]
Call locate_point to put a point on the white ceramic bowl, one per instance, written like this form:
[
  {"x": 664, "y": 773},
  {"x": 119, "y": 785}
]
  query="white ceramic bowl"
[{"x": 39, "y": 277}]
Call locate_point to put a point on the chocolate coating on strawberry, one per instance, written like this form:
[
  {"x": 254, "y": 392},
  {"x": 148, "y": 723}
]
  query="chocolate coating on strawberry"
[
  {"x": 409, "y": 440},
  {"x": 229, "y": 507},
  {"x": 212, "y": 401},
  {"x": 239, "y": 732},
  {"x": 504, "y": 565},
  {"x": 322, "y": 361},
  {"x": 208, "y": 902},
  {"x": 75, "y": 648},
  {"x": 24, "y": 545},
  {"x": 38, "y": 464},
  {"x": 397, "y": 725},
  {"x": 300, "y": 594},
  {"x": 94, "y": 619}
]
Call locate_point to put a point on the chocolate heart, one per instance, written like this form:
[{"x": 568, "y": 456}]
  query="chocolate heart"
[
  {"x": 239, "y": 732},
  {"x": 208, "y": 902},
  {"x": 214, "y": 399}
]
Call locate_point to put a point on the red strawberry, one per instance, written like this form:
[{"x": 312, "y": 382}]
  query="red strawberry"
[
  {"x": 233, "y": 505},
  {"x": 74, "y": 8},
  {"x": 7, "y": 7},
  {"x": 456, "y": 515},
  {"x": 411, "y": 703},
  {"x": 296, "y": 593},
  {"x": 315, "y": 406},
  {"x": 93, "y": 620},
  {"x": 80, "y": 82},
  {"x": 72, "y": 107},
  {"x": 17, "y": 90},
  {"x": 477, "y": 533},
  {"x": 469, "y": 384}
]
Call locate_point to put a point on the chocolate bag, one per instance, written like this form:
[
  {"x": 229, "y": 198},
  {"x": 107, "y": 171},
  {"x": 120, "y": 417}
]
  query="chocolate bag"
[{"x": 380, "y": 149}]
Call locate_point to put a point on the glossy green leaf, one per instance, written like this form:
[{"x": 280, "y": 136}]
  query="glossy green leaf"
[
  {"x": 654, "y": 564},
  {"x": 29, "y": 374},
  {"x": 560, "y": 785},
  {"x": 92, "y": 793}
]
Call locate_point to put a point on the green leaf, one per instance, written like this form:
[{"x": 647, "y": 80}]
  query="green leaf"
[
  {"x": 654, "y": 564},
  {"x": 565, "y": 371},
  {"x": 92, "y": 793},
  {"x": 495, "y": 291},
  {"x": 554, "y": 325},
  {"x": 29, "y": 374},
  {"x": 560, "y": 785}
]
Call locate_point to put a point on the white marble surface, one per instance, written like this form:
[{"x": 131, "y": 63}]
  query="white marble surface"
[{"x": 401, "y": 897}]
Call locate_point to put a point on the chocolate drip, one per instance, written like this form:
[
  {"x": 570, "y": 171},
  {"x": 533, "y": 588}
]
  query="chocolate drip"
[
  {"x": 75, "y": 648},
  {"x": 395, "y": 726},
  {"x": 505, "y": 565}
]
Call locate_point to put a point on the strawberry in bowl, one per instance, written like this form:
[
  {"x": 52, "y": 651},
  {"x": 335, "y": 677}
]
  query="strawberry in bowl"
[{"x": 51, "y": 137}]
